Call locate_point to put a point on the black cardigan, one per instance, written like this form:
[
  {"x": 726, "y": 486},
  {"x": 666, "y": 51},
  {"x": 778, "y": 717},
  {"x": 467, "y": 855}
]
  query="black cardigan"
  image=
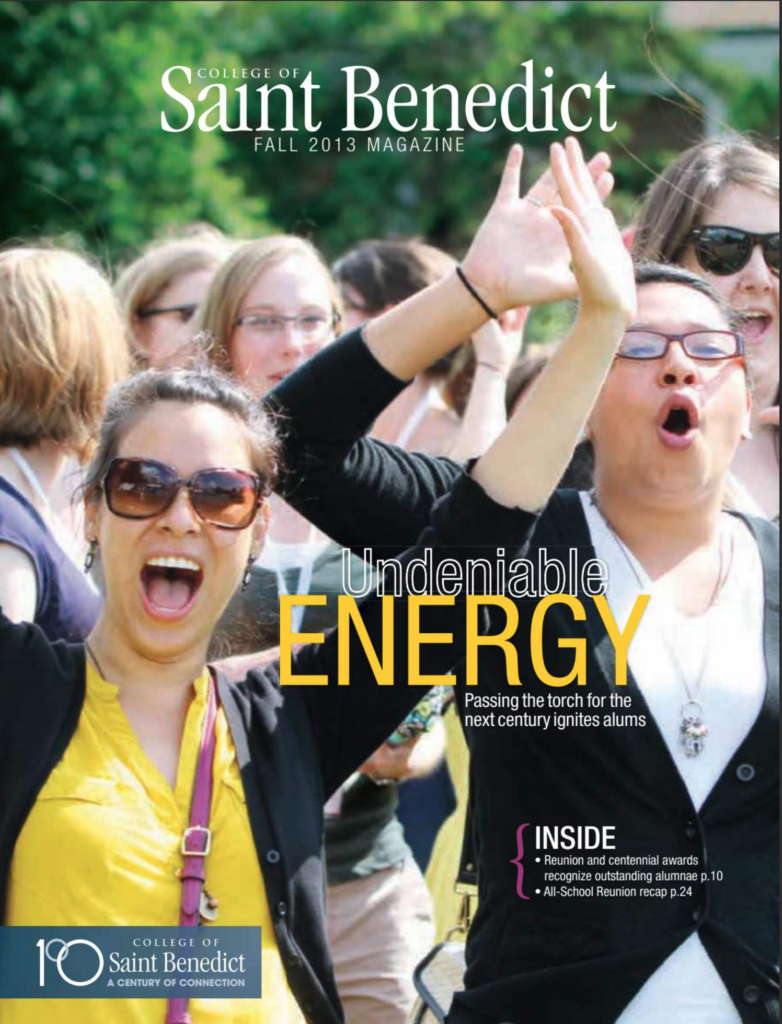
[
  {"x": 295, "y": 745},
  {"x": 546, "y": 961}
]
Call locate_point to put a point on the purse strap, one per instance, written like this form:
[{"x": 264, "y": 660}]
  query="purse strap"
[
  {"x": 467, "y": 878},
  {"x": 468, "y": 864},
  {"x": 197, "y": 840}
]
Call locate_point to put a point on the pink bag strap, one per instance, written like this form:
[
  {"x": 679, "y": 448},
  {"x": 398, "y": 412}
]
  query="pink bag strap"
[{"x": 197, "y": 840}]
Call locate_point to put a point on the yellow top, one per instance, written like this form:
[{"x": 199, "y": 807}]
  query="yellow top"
[
  {"x": 447, "y": 853},
  {"x": 101, "y": 847}
]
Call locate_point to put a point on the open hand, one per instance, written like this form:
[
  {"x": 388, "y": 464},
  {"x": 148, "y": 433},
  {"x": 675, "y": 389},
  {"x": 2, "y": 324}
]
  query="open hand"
[
  {"x": 601, "y": 263},
  {"x": 519, "y": 256}
]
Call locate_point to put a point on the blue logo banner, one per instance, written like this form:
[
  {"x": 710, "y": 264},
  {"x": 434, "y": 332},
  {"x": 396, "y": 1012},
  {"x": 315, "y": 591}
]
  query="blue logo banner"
[{"x": 120, "y": 963}]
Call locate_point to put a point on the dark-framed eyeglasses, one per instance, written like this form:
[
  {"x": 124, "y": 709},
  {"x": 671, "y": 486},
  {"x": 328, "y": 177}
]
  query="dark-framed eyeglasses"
[
  {"x": 724, "y": 250},
  {"x": 144, "y": 488},
  {"x": 186, "y": 311},
  {"x": 310, "y": 325},
  {"x": 706, "y": 345}
]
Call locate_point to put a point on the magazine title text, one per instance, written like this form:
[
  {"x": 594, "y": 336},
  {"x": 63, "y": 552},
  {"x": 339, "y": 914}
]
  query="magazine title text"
[{"x": 531, "y": 105}]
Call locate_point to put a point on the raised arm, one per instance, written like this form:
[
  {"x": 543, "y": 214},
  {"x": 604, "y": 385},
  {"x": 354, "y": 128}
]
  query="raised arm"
[
  {"x": 519, "y": 257},
  {"x": 524, "y": 465},
  {"x": 497, "y": 508},
  {"x": 360, "y": 492},
  {"x": 365, "y": 494},
  {"x": 497, "y": 347},
  {"x": 35, "y": 674}
]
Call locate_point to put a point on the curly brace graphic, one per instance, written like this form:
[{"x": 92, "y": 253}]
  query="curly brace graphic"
[{"x": 518, "y": 861}]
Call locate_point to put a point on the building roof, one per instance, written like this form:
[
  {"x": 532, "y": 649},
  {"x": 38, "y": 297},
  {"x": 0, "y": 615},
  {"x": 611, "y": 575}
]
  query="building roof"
[{"x": 723, "y": 14}]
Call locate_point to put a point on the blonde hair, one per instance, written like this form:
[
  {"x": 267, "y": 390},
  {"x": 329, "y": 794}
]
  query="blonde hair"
[
  {"x": 62, "y": 347},
  {"x": 163, "y": 261},
  {"x": 217, "y": 316}
]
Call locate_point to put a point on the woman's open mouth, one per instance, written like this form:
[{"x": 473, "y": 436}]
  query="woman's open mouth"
[
  {"x": 755, "y": 326},
  {"x": 679, "y": 423},
  {"x": 170, "y": 586}
]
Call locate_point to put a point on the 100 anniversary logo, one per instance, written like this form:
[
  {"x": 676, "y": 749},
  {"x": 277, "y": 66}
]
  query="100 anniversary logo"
[{"x": 107, "y": 962}]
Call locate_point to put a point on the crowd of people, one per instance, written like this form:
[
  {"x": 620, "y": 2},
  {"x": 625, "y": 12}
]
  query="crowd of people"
[{"x": 185, "y": 445}]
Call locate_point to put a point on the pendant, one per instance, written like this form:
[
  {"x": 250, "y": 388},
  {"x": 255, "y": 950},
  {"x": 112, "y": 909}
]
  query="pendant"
[
  {"x": 207, "y": 907},
  {"x": 693, "y": 730}
]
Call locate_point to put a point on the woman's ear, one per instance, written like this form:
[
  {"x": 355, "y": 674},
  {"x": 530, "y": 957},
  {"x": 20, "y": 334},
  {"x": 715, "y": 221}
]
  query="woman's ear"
[{"x": 91, "y": 520}]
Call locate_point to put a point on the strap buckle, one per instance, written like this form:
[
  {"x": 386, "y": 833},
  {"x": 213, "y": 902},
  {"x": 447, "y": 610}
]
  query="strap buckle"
[{"x": 184, "y": 848}]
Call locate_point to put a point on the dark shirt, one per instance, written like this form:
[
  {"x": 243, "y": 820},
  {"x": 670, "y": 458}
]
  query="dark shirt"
[
  {"x": 294, "y": 744},
  {"x": 366, "y": 836},
  {"x": 67, "y": 606},
  {"x": 558, "y": 959}
]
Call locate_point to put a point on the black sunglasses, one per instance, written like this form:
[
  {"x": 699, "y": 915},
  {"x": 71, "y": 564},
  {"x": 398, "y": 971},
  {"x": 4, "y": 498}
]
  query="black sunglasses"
[
  {"x": 724, "y": 250},
  {"x": 144, "y": 488}
]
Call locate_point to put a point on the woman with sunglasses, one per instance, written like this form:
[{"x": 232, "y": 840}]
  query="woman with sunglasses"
[
  {"x": 715, "y": 210},
  {"x": 102, "y": 743},
  {"x": 690, "y": 771}
]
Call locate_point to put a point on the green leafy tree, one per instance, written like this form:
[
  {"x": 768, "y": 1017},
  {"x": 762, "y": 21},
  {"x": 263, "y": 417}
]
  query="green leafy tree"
[
  {"x": 755, "y": 106},
  {"x": 343, "y": 197},
  {"x": 84, "y": 154},
  {"x": 83, "y": 151}
]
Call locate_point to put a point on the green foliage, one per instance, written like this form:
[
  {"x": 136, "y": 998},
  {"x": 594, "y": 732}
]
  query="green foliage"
[
  {"x": 444, "y": 195},
  {"x": 84, "y": 153},
  {"x": 755, "y": 106}
]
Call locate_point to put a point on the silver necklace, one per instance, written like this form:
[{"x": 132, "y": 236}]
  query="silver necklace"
[{"x": 693, "y": 730}]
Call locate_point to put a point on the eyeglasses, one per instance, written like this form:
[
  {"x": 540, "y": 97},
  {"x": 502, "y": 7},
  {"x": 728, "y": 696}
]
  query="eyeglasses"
[
  {"x": 144, "y": 488},
  {"x": 186, "y": 312},
  {"x": 723, "y": 250},
  {"x": 707, "y": 345},
  {"x": 311, "y": 325}
]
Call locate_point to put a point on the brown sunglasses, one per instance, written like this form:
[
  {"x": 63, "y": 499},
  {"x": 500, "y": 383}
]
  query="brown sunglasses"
[{"x": 144, "y": 488}]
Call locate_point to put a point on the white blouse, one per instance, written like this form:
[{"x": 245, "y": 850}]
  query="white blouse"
[{"x": 724, "y": 649}]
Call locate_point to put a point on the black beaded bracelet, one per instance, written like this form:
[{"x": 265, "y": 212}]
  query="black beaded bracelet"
[{"x": 484, "y": 305}]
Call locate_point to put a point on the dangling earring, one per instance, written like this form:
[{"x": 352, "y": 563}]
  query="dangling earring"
[
  {"x": 248, "y": 573},
  {"x": 89, "y": 561}
]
